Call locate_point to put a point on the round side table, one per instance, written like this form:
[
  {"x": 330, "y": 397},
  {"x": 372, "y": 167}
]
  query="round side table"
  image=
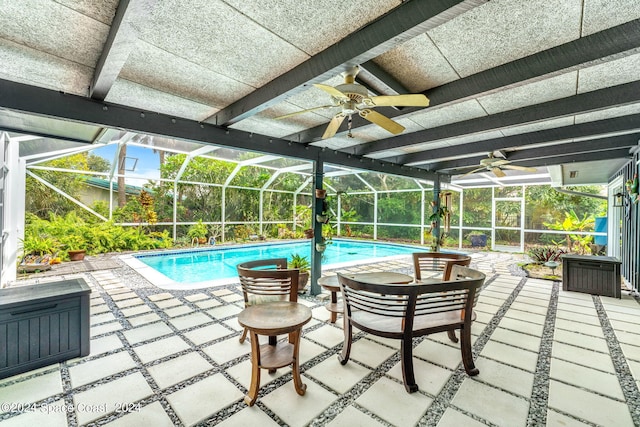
[
  {"x": 330, "y": 283},
  {"x": 272, "y": 319}
]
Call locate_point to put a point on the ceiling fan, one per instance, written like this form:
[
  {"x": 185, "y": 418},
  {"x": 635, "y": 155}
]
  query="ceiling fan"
[
  {"x": 353, "y": 98},
  {"x": 496, "y": 166}
]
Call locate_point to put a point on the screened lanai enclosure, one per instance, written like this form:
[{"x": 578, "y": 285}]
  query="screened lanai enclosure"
[{"x": 240, "y": 196}]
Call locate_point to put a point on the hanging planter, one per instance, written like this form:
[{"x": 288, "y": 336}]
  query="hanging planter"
[
  {"x": 320, "y": 247},
  {"x": 321, "y": 193},
  {"x": 322, "y": 219}
]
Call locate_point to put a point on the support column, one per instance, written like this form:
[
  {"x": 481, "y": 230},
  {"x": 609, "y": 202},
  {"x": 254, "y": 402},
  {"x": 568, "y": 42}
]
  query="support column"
[
  {"x": 436, "y": 208},
  {"x": 316, "y": 257}
]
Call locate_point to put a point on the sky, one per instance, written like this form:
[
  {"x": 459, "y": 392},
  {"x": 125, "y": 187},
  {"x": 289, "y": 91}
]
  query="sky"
[{"x": 144, "y": 162}]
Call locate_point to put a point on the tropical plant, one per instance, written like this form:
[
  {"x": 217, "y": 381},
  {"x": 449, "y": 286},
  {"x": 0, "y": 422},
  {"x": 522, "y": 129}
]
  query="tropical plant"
[
  {"x": 197, "y": 231},
  {"x": 542, "y": 254},
  {"x": 573, "y": 223},
  {"x": 299, "y": 262}
]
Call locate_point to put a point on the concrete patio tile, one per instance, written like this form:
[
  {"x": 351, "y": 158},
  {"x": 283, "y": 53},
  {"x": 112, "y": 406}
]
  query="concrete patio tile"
[
  {"x": 631, "y": 351},
  {"x": 132, "y": 311},
  {"x": 150, "y": 415},
  {"x": 556, "y": 419},
  {"x": 327, "y": 336},
  {"x": 159, "y": 349},
  {"x": 102, "y": 318},
  {"x": 250, "y": 416},
  {"x": 578, "y": 317},
  {"x": 224, "y": 311},
  {"x": 227, "y": 350},
  {"x": 588, "y": 406},
  {"x": 31, "y": 390},
  {"x": 438, "y": 353},
  {"x": 197, "y": 297},
  {"x": 582, "y": 356},
  {"x": 522, "y": 326},
  {"x": 619, "y": 325},
  {"x": 586, "y": 378},
  {"x": 94, "y": 370},
  {"x": 541, "y": 302},
  {"x": 207, "y": 303},
  {"x": 628, "y": 337},
  {"x": 160, "y": 296},
  {"x": 583, "y": 328},
  {"x": 99, "y": 309},
  {"x": 103, "y": 399},
  {"x": 494, "y": 405},
  {"x": 429, "y": 377},
  {"x": 505, "y": 377},
  {"x": 233, "y": 324},
  {"x": 390, "y": 401},
  {"x": 204, "y": 398},
  {"x": 525, "y": 316},
  {"x": 44, "y": 416},
  {"x": 104, "y": 344},
  {"x": 207, "y": 333},
  {"x": 190, "y": 320},
  {"x": 573, "y": 308},
  {"x": 144, "y": 319},
  {"x": 129, "y": 302},
  {"x": 516, "y": 339},
  {"x": 354, "y": 418},
  {"x": 178, "y": 311},
  {"x": 105, "y": 329},
  {"x": 179, "y": 369},
  {"x": 338, "y": 377},
  {"x": 296, "y": 410},
  {"x": 166, "y": 303},
  {"x": 370, "y": 353},
  {"x": 577, "y": 339},
  {"x": 309, "y": 350},
  {"x": 221, "y": 292},
  {"x": 453, "y": 418},
  {"x": 231, "y": 298},
  {"x": 123, "y": 295},
  {"x": 242, "y": 373},
  {"x": 147, "y": 332},
  {"x": 509, "y": 355}
]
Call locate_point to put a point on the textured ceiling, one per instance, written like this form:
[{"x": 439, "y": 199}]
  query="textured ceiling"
[{"x": 531, "y": 80}]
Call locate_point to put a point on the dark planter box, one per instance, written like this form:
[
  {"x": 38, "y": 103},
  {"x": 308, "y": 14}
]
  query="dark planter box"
[
  {"x": 478, "y": 240},
  {"x": 598, "y": 275},
  {"x": 43, "y": 324}
]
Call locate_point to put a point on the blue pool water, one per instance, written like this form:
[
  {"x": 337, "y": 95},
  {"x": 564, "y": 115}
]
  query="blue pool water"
[{"x": 220, "y": 262}]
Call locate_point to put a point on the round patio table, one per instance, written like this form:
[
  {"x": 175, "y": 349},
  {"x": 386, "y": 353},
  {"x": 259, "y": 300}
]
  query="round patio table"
[{"x": 272, "y": 319}]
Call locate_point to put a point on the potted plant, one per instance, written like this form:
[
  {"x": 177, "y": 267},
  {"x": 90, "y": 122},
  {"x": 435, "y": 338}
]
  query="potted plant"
[
  {"x": 321, "y": 193},
  {"x": 76, "y": 246},
  {"x": 302, "y": 264},
  {"x": 308, "y": 233},
  {"x": 197, "y": 231}
]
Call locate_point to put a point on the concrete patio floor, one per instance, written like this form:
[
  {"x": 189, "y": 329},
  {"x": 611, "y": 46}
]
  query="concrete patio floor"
[{"x": 163, "y": 358}]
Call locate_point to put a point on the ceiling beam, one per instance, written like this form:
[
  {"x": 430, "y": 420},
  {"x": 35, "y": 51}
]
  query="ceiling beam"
[
  {"x": 619, "y": 153},
  {"x": 119, "y": 45},
  {"x": 606, "y": 143},
  {"x": 58, "y": 105},
  {"x": 403, "y": 23},
  {"x": 612, "y": 43},
  {"x": 374, "y": 77},
  {"x": 601, "y": 99},
  {"x": 584, "y": 131}
]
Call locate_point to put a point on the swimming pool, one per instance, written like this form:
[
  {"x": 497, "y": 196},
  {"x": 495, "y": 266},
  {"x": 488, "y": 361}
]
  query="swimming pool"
[{"x": 217, "y": 265}]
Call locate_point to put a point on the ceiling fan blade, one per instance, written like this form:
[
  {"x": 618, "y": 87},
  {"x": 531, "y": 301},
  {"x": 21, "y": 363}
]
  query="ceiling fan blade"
[
  {"x": 498, "y": 172},
  {"x": 334, "y": 125},
  {"x": 520, "y": 168},
  {"x": 303, "y": 111},
  {"x": 409, "y": 100},
  {"x": 331, "y": 91},
  {"x": 473, "y": 171},
  {"x": 382, "y": 121}
]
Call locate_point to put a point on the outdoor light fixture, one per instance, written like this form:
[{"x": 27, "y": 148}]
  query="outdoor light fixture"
[{"x": 618, "y": 200}]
